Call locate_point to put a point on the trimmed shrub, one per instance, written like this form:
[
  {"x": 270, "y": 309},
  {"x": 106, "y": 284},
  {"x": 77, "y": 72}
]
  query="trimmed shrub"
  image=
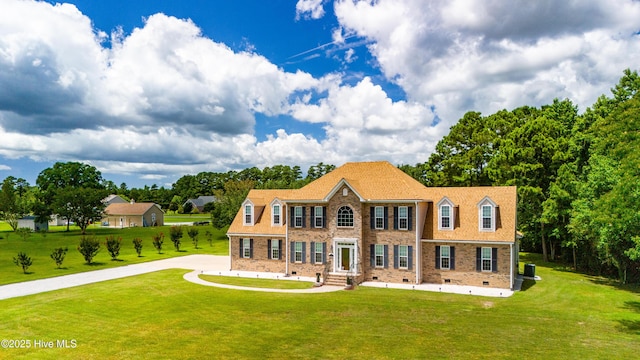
[
  {"x": 158, "y": 239},
  {"x": 23, "y": 261},
  {"x": 113, "y": 246},
  {"x": 137, "y": 244},
  {"x": 58, "y": 255},
  {"x": 89, "y": 248},
  {"x": 209, "y": 237},
  {"x": 193, "y": 234},
  {"x": 176, "y": 234}
]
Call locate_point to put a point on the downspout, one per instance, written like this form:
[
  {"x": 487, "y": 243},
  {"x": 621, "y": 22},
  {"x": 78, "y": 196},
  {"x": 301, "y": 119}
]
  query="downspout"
[
  {"x": 286, "y": 242},
  {"x": 511, "y": 265},
  {"x": 230, "y": 254},
  {"x": 417, "y": 256}
]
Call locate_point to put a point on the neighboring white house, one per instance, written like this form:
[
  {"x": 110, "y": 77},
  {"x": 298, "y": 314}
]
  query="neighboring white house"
[
  {"x": 57, "y": 220},
  {"x": 30, "y": 222}
]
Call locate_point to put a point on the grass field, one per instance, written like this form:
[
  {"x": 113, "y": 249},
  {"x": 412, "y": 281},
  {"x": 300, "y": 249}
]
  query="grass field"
[
  {"x": 39, "y": 247},
  {"x": 161, "y": 316},
  {"x": 181, "y": 218},
  {"x": 257, "y": 283}
]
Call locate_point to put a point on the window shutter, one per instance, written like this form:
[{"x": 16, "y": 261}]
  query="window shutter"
[
  {"x": 313, "y": 252},
  {"x": 313, "y": 216},
  {"x": 241, "y": 252},
  {"x": 279, "y": 249},
  {"x": 373, "y": 217},
  {"x": 324, "y": 253},
  {"x": 395, "y": 218},
  {"x": 396, "y": 259},
  {"x": 372, "y": 255},
  {"x": 304, "y": 252},
  {"x": 452, "y": 261},
  {"x": 292, "y": 250},
  {"x": 478, "y": 259},
  {"x": 437, "y": 257},
  {"x": 304, "y": 217},
  {"x": 251, "y": 248},
  {"x": 386, "y": 217},
  {"x": 292, "y": 215},
  {"x": 324, "y": 217},
  {"x": 386, "y": 256},
  {"x": 409, "y": 218},
  {"x": 410, "y": 257},
  {"x": 268, "y": 249},
  {"x": 494, "y": 259}
]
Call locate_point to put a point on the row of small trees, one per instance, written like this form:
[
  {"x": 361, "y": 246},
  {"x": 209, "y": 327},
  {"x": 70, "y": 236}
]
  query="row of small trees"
[
  {"x": 89, "y": 246},
  {"x": 24, "y": 261}
]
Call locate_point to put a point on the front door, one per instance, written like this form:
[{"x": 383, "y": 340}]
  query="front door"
[
  {"x": 345, "y": 255},
  {"x": 345, "y": 259}
]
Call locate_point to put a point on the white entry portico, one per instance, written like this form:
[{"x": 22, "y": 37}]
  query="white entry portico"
[{"x": 346, "y": 255}]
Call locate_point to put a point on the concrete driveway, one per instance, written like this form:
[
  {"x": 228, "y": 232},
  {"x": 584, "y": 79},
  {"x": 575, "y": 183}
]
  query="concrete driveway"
[{"x": 191, "y": 262}]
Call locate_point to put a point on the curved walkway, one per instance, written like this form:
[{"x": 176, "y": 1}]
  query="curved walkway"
[{"x": 193, "y": 277}]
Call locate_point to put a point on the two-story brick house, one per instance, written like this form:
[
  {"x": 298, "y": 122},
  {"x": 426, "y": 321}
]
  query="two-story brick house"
[{"x": 372, "y": 222}]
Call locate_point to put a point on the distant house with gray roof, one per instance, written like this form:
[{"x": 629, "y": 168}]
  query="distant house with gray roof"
[
  {"x": 200, "y": 202},
  {"x": 114, "y": 199}
]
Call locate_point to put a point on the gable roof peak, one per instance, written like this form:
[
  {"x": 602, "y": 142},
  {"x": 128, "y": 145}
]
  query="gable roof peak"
[{"x": 373, "y": 180}]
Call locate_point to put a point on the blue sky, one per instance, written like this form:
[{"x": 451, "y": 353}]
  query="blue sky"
[{"x": 148, "y": 91}]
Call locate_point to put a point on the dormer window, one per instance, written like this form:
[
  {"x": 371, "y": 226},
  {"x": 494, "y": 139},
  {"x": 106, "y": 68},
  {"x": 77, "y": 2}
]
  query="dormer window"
[
  {"x": 276, "y": 214},
  {"x": 487, "y": 215},
  {"x": 445, "y": 215},
  {"x": 248, "y": 214}
]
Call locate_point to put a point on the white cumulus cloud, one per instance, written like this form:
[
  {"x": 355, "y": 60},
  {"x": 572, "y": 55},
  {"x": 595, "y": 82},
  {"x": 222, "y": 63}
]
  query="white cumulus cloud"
[
  {"x": 467, "y": 55},
  {"x": 309, "y": 9}
]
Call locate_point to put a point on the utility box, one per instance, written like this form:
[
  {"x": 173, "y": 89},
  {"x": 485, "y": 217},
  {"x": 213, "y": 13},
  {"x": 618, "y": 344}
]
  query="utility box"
[{"x": 530, "y": 270}]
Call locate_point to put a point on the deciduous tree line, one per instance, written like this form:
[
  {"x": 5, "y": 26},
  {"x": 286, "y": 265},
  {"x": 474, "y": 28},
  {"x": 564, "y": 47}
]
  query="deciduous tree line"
[
  {"x": 577, "y": 175},
  {"x": 74, "y": 192}
]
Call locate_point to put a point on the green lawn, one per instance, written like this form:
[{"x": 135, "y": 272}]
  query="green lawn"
[
  {"x": 180, "y": 218},
  {"x": 39, "y": 247},
  {"x": 161, "y": 316},
  {"x": 257, "y": 283}
]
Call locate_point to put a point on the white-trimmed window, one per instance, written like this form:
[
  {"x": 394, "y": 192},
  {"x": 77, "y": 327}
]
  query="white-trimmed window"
[
  {"x": 246, "y": 248},
  {"x": 275, "y": 249},
  {"x": 403, "y": 217},
  {"x": 445, "y": 257},
  {"x": 248, "y": 214},
  {"x": 486, "y": 259},
  {"x": 297, "y": 216},
  {"x": 379, "y": 262},
  {"x": 345, "y": 217},
  {"x": 276, "y": 214},
  {"x": 298, "y": 251},
  {"x": 319, "y": 253},
  {"x": 379, "y": 217},
  {"x": 446, "y": 214},
  {"x": 486, "y": 215},
  {"x": 318, "y": 219},
  {"x": 403, "y": 256}
]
